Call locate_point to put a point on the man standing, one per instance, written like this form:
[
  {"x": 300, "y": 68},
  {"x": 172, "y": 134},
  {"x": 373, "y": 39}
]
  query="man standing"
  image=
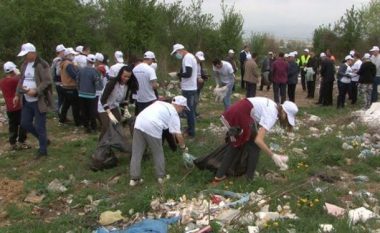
[
  {"x": 149, "y": 125},
  {"x": 293, "y": 71},
  {"x": 265, "y": 71},
  {"x": 35, "y": 93},
  {"x": 344, "y": 80},
  {"x": 81, "y": 59},
  {"x": 327, "y": 81},
  {"x": 147, "y": 79},
  {"x": 279, "y": 70},
  {"x": 244, "y": 55},
  {"x": 56, "y": 74},
  {"x": 251, "y": 76},
  {"x": 367, "y": 73},
  {"x": 201, "y": 79},
  {"x": 303, "y": 62},
  {"x": 355, "y": 77},
  {"x": 224, "y": 75},
  {"x": 188, "y": 75},
  {"x": 375, "y": 59},
  {"x": 231, "y": 59}
]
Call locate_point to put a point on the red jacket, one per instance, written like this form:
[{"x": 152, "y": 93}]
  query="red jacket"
[
  {"x": 280, "y": 71},
  {"x": 8, "y": 86}
]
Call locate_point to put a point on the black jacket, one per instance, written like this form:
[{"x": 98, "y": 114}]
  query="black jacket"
[
  {"x": 327, "y": 70},
  {"x": 367, "y": 72}
]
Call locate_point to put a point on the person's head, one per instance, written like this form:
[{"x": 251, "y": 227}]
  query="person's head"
[
  {"x": 231, "y": 53},
  {"x": 99, "y": 58},
  {"x": 254, "y": 56},
  {"x": 312, "y": 54},
  {"x": 366, "y": 57},
  {"x": 352, "y": 53},
  {"x": 119, "y": 57},
  {"x": 270, "y": 54},
  {"x": 357, "y": 56},
  {"x": 349, "y": 60},
  {"x": 281, "y": 55},
  {"x": 217, "y": 63},
  {"x": 180, "y": 103},
  {"x": 323, "y": 56},
  {"x": 375, "y": 50},
  {"x": 287, "y": 115},
  {"x": 79, "y": 49},
  {"x": 70, "y": 54},
  {"x": 246, "y": 48},
  {"x": 149, "y": 57},
  {"x": 200, "y": 56},
  {"x": 291, "y": 57},
  {"x": 124, "y": 74},
  {"x": 29, "y": 51},
  {"x": 86, "y": 50},
  {"x": 60, "y": 50},
  {"x": 179, "y": 51},
  {"x": 91, "y": 59},
  {"x": 306, "y": 51},
  {"x": 9, "y": 67}
]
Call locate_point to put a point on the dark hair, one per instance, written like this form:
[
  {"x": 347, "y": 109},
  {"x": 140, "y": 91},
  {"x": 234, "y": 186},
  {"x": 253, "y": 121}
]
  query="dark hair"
[
  {"x": 216, "y": 61},
  {"x": 357, "y": 55},
  {"x": 105, "y": 60},
  {"x": 281, "y": 54},
  {"x": 254, "y": 55}
]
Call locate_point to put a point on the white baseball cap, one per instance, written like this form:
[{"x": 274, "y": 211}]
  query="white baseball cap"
[
  {"x": 348, "y": 57},
  {"x": 374, "y": 48},
  {"x": 177, "y": 47},
  {"x": 367, "y": 56},
  {"x": 119, "y": 56},
  {"x": 352, "y": 53},
  {"x": 295, "y": 52},
  {"x": 60, "y": 48},
  {"x": 286, "y": 55},
  {"x": 291, "y": 110},
  {"x": 99, "y": 57},
  {"x": 79, "y": 49},
  {"x": 231, "y": 51},
  {"x": 323, "y": 54},
  {"x": 91, "y": 58},
  {"x": 26, "y": 48},
  {"x": 181, "y": 101},
  {"x": 306, "y": 50},
  {"x": 292, "y": 54},
  {"x": 149, "y": 55},
  {"x": 200, "y": 55},
  {"x": 9, "y": 67},
  {"x": 69, "y": 51}
]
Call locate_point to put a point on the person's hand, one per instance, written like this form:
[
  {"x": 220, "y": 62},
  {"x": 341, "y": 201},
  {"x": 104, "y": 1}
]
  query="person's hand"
[
  {"x": 17, "y": 71},
  {"x": 15, "y": 101},
  {"x": 31, "y": 92},
  {"x": 126, "y": 115},
  {"x": 184, "y": 148},
  {"x": 280, "y": 161},
  {"x": 112, "y": 118}
]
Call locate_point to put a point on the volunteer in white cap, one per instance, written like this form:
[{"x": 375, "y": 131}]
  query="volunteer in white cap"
[
  {"x": 304, "y": 59},
  {"x": 375, "y": 59},
  {"x": 114, "y": 69},
  {"x": 248, "y": 122},
  {"x": 201, "y": 78},
  {"x": 344, "y": 80},
  {"x": 357, "y": 63},
  {"x": 188, "y": 75},
  {"x": 147, "y": 80},
  {"x": 265, "y": 71},
  {"x": 34, "y": 91},
  {"x": 80, "y": 59},
  {"x": 56, "y": 73},
  {"x": 8, "y": 85},
  {"x": 148, "y": 132},
  {"x": 231, "y": 59}
]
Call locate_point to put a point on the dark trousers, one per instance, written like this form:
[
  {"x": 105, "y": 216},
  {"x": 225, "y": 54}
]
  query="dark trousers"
[
  {"x": 310, "y": 89},
  {"x": 343, "y": 89},
  {"x": 60, "y": 96},
  {"x": 265, "y": 80},
  {"x": 88, "y": 107},
  {"x": 353, "y": 93},
  {"x": 303, "y": 79},
  {"x": 252, "y": 161},
  {"x": 292, "y": 92},
  {"x": 279, "y": 91},
  {"x": 71, "y": 98},
  {"x": 375, "y": 94},
  {"x": 325, "y": 93},
  {"x": 141, "y": 106},
  {"x": 190, "y": 115},
  {"x": 242, "y": 71},
  {"x": 16, "y": 133},
  {"x": 34, "y": 121},
  {"x": 251, "y": 89}
]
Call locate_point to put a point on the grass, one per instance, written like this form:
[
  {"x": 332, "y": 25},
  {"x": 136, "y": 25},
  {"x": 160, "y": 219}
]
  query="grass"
[{"x": 70, "y": 152}]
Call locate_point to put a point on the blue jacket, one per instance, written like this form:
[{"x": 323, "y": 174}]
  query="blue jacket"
[{"x": 88, "y": 81}]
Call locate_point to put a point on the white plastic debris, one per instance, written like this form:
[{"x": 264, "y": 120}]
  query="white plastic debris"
[
  {"x": 360, "y": 215},
  {"x": 325, "y": 228},
  {"x": 314, "y": 119},
  {"x": 56, "y": 186},
  {"x": 253, "y": 229}
]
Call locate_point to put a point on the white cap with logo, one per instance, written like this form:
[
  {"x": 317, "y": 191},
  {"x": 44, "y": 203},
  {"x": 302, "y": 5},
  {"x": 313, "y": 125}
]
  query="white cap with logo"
[
  {"x": 200, "y": 55},
  {"x": 374, "y": 48},
  {"x": 79, "y": 49},
  {"x": 91, "y": 58},
  {"x": 291, "y": 110},
  {"x": 367, "y": 56},
  {"x": 231, "y": 51},
  {"x": 348, "y": 57},
  {"x": 9, "y": 67},
  {"x": 99, "y": 57},
  {"x": 306, "y": 50},
  {"x": 149, "y": 55},
  {"x": 119, "y": 56},
  {"x": 323, "y": 54},
  {"x": 69, "y": 51},
  {"x": 60, "y": 48},
  {"x": 26, "y": 48},
  {"x": 181, "y": 101},
  {"x": 177, "y": 47}
]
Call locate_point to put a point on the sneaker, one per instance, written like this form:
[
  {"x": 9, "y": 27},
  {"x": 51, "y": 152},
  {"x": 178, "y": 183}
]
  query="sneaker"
[
  {"x": 135, "y": 182},
  {"x": 24, "y": 146},
  {"x": 162, "y": 180}
]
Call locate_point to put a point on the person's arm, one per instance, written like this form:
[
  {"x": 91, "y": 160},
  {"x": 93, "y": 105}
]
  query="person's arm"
[
  {"x": 180, "y": 140},
  {"x": 259, "y": 140},
  {"x": 342, "y": 71},
  {"x": 71, "y": 71},
  {"x": 187, "y": 73},
  {"x": 107, "y": 92}
]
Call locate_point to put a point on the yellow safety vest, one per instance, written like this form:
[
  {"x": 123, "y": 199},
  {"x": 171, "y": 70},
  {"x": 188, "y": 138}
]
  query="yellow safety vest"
[{"x": 304, "y": 60}]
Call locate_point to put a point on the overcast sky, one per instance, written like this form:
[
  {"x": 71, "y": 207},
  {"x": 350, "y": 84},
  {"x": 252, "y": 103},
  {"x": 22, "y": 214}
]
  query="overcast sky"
[{"x": 287, "y": 19}]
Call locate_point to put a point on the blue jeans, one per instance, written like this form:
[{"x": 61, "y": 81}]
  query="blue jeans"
[
  {"x": 34, "y": 121},
  {"x": 227, "y": 99},
  {"x": 190, "y": 96},
  {"x": 376, "y": 82}
]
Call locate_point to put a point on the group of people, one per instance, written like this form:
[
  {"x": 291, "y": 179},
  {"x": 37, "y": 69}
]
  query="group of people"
[{"x": 99, "y": 94}]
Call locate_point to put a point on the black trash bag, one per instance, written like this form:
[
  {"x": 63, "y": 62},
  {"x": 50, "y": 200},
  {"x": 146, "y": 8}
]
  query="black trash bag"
[{"x": 103, "y": 158}]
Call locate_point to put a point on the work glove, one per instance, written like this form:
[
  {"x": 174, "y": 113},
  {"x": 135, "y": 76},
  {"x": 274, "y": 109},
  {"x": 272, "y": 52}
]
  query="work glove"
[
  {"x": 112, "y": 118},
  {"x": 280, "y": 161},
  {"x": 126, "y": 114}
]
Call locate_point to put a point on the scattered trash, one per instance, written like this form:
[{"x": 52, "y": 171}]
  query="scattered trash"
[
  {"x": 345, "y": 146},
  {"x": 364, "y": 154},
  {"x": 361, "y": 178},
  {"x": 314, "y": 119},
  {"x": 56, "y": 187},
  {"x": 34, "y": 197},
  {"x": 352, "y": 125},
  {"x": 325, "y": 228},
  {"x": 253, "y": 229},
  {"x": 334, "y": 210},
  {"x": 227, "y": 215},
  {"x": 360, "y": 215},
  {"x": 109, "y": 217}
]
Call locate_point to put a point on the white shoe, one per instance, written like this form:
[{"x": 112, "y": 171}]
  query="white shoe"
[
  {"x": 162, "y": 180},
  {"x": 135, "y": 182}
]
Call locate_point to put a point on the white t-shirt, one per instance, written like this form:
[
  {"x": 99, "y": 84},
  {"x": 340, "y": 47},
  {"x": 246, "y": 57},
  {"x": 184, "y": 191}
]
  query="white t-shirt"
[
  {"x": 114, "y": 69},
  {"x": 345, "y": 79},
  {"x": 29, "y": 81},
  {"x": 145, "y": 75},
  {"x": 224, "y": 74},
  {"x": 264, "y": 111},
  {"x": 80, "y": 60},
  {"x": 157, "y": 117},
  {"x": 189, "y": 84},
  {"x": 116, "y": 97},
  {"x": 355, "y": 68}
]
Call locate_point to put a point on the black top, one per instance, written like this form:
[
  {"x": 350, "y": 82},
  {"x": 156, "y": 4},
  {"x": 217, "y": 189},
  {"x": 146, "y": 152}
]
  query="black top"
[{"x": 367, "y": 72}]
